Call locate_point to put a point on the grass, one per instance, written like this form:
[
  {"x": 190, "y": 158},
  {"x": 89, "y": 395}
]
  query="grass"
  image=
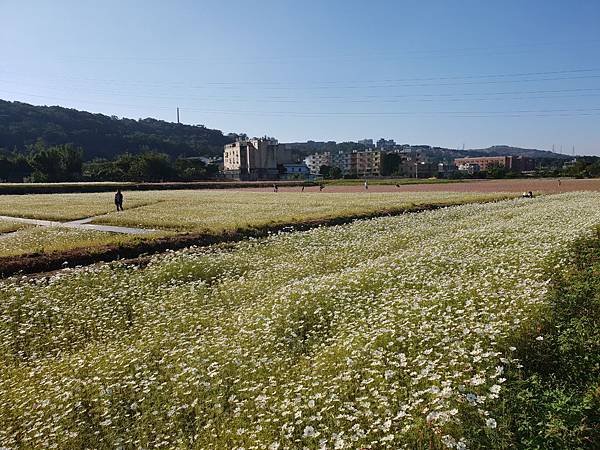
[
  {"x": 58, "y": 239},
  {"x": 387, "y": 333},
  {"x": 7, "y": 226},
  {"x": 217, "y": 211},
  {"x": 65, "y": 207},
  {"x": 552, "y": 399},
  {"x": 206, "y": 211}
]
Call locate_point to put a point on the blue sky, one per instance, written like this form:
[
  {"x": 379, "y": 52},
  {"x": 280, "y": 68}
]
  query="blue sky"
[{"x": 448, "y": 73}]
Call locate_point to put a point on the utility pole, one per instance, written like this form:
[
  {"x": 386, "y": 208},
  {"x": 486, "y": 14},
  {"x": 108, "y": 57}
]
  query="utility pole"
[{"x": 178, "y": 114}]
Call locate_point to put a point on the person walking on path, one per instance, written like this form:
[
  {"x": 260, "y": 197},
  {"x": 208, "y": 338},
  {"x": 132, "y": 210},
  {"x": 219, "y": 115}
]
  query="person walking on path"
[
  {"x": 366, "y": 185},
  {"x": 119, "y": 200}
]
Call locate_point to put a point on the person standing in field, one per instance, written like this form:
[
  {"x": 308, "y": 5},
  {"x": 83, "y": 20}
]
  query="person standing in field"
[
  {"x": 119, "y": 200},
  {"x": 366, "y": 184}
]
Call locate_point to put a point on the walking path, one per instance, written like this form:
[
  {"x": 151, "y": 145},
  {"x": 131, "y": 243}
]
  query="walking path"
[{"x": 81, "y": 224}]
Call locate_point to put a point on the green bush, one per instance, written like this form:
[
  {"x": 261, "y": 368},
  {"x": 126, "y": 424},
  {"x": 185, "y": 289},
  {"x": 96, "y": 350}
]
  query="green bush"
[{"x": 553, "y": 400}]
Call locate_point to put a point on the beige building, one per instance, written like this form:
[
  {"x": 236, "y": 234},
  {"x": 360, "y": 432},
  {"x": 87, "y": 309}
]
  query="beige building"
[
  {"x": 252, "y": 159},
  {"x": 367, "y": 164},
  {"x": 361, "y": 164}
]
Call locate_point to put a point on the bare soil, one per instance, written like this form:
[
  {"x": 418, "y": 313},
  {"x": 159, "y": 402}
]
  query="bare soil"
[{"x": 536, "y": 185}]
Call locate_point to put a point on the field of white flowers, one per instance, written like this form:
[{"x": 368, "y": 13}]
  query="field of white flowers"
[
  {"x": 216, "y": 211},
  {"x": 387, "y": 333},
  {"x": 34, "y": 239},
  {"x": 8, "y": 226}
]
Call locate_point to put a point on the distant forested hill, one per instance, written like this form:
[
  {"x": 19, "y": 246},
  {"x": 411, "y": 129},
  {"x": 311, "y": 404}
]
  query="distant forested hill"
[{"x": 102, "y": 136}]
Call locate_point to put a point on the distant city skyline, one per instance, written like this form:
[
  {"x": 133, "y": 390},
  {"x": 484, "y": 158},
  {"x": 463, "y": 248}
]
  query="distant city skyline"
[{"x": 523, "y": 74}]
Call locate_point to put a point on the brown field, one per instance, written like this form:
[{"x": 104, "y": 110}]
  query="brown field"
[{"x": 536, "y": 185}]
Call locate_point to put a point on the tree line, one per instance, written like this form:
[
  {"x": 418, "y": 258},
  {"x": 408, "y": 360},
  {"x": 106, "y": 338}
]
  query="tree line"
[{"x": 56, "y": 163}]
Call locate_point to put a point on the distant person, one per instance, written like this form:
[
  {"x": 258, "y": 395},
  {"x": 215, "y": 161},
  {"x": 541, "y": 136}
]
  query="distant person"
[
  {"x": 302, "y": 188},
  {"x": 275, "y": 188},
  {"x": 119, "y": 200},
  {"x": 530, "y": 195},
  {"x": 321, "y": 187},
  {"x": 397, "y": 185},
  {"x": 559, "y": 182},
  {"x": 366, "y": 184}
]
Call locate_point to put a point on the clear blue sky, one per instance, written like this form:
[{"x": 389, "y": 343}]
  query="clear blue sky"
[{"x": 448, "y": 73}]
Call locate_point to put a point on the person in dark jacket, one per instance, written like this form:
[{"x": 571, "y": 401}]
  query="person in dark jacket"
[{"x": 119, "y": 200}]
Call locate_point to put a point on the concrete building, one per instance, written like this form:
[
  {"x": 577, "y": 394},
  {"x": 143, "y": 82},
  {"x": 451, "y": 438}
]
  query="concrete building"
[
  {"x": 470, "y": 168},
  {"x": 366, "y": 142},
  {"x": 386, "y": 144},
  {"x": 294, "y": 171},
  {"x": 252, "y": 159},
  {"x": 516, "y": 163},
  {"x": 357, "y": 163},
  {"x": 367, "y": 164},
  {"x": 316, "y": 160}
]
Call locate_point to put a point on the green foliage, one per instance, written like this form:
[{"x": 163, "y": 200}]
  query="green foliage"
[
  {"x": 553, "y": 401},
  {"x": 58, "y": 163},
  {"x": 585, "y": 167},
  {"x": 390, "y": 163},
  {"x": 324, "y": 170},
  {"x": 148, "y": 166},
  {"x": 14, "y": 167},
  {"x": 102, "y": 136}
]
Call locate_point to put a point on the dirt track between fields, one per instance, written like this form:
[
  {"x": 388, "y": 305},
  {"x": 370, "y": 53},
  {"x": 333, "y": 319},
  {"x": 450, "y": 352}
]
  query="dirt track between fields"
[{"x": 536, "y": 185}]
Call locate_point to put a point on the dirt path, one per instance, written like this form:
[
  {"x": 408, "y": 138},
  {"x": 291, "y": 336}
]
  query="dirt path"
[
  {"x": 537, "y": 185},
  {"x": 81, "y": 224}
]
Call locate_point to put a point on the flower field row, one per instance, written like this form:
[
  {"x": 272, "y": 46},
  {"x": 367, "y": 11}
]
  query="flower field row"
[
  {"x": 215, "y": 211},
  {"x": 387, "y": 333},
  {"x": 34, "y": 239},
  {"x": 206, "y": 210},
  {"x": 8, "y": 226}
]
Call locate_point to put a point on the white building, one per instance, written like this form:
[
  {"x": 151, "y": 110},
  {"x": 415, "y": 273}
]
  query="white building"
[{"x": 316, "y": 160}]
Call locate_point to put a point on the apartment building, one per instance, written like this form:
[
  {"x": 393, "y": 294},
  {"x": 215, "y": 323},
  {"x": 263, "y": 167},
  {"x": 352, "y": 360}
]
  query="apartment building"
[
  {"x": 516, "y": 163},
  {"x": 316, "y": 160},
  {"x": 357, "y": 163},
  {"x": 251, "y": 159}
]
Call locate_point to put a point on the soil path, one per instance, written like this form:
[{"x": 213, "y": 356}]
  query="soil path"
[
  {"x": 520, "y": 185},
  {"x": 81, "y": 224}
]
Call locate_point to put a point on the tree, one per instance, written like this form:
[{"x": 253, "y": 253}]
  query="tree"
[
  {"x": 390, "y": 163},
  {"x": 335, "y": 173},
  {"x": 324, "y": 170},
  {"x": 58, "y": 163}
]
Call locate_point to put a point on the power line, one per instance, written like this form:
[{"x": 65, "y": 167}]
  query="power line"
[
  {"x": 577, "y": 112},
  {"x": 516, "y": 48},
  {"x": 355, "y": 83}
]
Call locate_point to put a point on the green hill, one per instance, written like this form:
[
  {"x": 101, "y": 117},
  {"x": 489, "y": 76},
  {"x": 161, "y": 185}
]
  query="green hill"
[{"x": 102, "y": 136}]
